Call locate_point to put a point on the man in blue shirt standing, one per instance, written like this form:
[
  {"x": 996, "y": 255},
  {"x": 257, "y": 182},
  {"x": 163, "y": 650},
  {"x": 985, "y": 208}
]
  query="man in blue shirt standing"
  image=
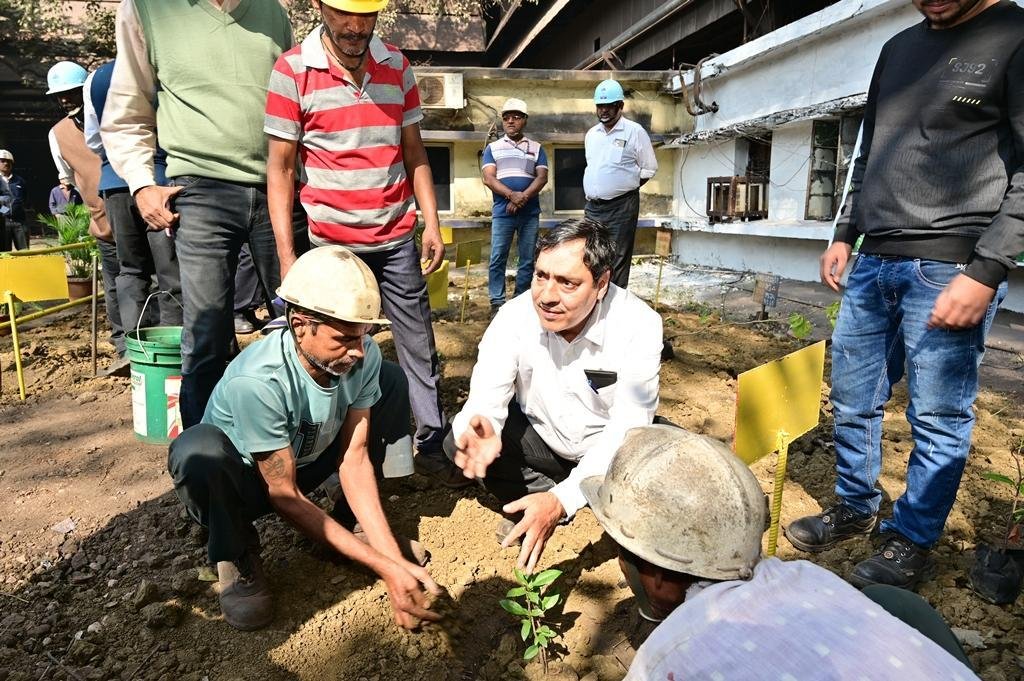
[{"x": 515, "y": 169}]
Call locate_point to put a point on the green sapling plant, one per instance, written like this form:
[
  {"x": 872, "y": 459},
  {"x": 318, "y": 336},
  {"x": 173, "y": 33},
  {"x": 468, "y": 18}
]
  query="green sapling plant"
[{"x": 530, "y": 602}]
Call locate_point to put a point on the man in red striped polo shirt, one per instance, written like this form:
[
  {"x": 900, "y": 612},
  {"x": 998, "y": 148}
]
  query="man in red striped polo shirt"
[{"x": 346, "y": 106}]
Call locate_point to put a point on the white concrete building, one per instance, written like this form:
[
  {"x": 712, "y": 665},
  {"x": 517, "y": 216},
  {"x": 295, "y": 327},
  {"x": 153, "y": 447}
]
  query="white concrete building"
[{"x": 783, "y": 110}]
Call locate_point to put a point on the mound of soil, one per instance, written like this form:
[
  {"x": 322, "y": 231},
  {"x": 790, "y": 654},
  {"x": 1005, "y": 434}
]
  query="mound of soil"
[{"x": 105, "y": 578}]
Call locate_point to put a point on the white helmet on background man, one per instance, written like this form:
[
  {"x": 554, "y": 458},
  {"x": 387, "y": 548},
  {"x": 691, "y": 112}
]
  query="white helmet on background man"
[
  {"x": 683, "y": 502},
  {"x": 333, "y": 282},
  {"x": 6, "y": 156}
]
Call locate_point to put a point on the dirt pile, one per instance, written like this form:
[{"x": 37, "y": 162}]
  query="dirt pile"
[{"x": 105, "y": 578}]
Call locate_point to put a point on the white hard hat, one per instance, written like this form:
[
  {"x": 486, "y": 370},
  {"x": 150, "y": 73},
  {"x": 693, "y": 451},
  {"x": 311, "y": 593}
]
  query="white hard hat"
[
  {"x": 6, "y": 156},
  {"x": 332, "y": 281},
  {"x": 683, "y": 502},
  {"x": 513, "y": 104}
]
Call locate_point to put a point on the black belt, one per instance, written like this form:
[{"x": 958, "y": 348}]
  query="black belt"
[{"x": 602, "y": 202}]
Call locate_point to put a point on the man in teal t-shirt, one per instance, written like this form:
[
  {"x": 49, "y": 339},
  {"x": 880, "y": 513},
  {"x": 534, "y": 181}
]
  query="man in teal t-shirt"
[{"x": 291, "y": 410}]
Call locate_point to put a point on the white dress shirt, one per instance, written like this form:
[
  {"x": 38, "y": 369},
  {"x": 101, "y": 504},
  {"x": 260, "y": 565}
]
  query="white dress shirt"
[
  {"x": 546, "y": 375},
  {"x": 792, "y": 621},
  {"x": 617, "y": 159},
  {"x": 90, "y": 122}
]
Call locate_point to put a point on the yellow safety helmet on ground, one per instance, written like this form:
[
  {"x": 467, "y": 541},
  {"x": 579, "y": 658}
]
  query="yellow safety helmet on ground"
[
  {"x": 357, "y": 6},
  {"x": 333, "y": 282}
]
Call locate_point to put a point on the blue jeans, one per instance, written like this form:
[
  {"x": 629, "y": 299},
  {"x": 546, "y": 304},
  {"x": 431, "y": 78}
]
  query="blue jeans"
[
  {"x": 880, "y": 334},
  {"x": 216, "y": 218},
  {"x": 502, "y": 230}
]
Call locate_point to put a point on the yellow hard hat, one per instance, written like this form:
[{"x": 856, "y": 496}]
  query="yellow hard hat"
[
  {"x": 332, "y": 281},
  {"x": 357, "y": 6}
]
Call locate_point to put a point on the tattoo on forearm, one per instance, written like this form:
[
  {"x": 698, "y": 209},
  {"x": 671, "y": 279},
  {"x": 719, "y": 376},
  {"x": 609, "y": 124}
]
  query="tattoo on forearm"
[{"x": 274, "y": 467}]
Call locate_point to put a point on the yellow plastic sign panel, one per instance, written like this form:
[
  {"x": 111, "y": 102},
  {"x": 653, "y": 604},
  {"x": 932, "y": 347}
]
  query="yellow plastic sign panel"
[
  {"x": 447, "y": 235},
  {"x": 663, "y": 242},
  {"x": 34, "y": 277},
  {"x": 782, "y": 395},
  {"x": 467, "y": 252},
  {"x": 437, "y": 287}
]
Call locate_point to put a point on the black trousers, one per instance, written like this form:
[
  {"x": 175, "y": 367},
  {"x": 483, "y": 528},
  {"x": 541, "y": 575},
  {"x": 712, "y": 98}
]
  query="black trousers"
[
  {"x": 526, "y": 465},
  {"x": 141, "y": 254},
  {"x": 225, "y": 495},
  {"x": 620, "y": 216}
]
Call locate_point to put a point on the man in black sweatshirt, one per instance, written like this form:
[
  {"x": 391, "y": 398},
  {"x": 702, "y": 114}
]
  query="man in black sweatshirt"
[{"x": 938, "y": 195}]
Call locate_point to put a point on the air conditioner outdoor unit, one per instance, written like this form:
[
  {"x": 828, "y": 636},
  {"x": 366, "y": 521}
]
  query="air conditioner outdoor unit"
[{"x": 441, "y": 90}]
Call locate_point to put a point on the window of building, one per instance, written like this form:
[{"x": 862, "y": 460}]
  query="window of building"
[
  {"x": 832, "y": 143},
  {"x": 567, "y": 178},
  {"x": 440, "y": 159}
]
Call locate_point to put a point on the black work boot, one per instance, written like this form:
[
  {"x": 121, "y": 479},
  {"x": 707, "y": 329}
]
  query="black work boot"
[
  {"x": 898, "y": 563},
  {"x": 816, "y": 533},
  {"x": 441, "y": 469}
]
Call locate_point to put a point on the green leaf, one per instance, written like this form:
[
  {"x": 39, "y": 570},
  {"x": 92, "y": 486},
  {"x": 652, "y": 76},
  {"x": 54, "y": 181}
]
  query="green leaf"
[
  {"x": 550, "y": 601},
  {"x": 545, "y": 631},
  {"x": 799, "y": 325},
  {"x": 512, "y": 607},
  {"x": 520, "y": 577},
  {"x": 546, "y": 577},
  {"x": 832, "y": 312},
  {"x": 536, "y": 612},
  {"x": 996, "y": 477},
  {"x": 525, "y": 632},
  {"x": 516, "y": 591},
  {"x": 533, "y": 597},
  {"x": 531, "y": 652}
]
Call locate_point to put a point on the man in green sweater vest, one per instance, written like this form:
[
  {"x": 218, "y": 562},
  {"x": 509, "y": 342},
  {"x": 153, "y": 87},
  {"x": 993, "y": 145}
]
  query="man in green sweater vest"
[{"x": 207, "y": 64}]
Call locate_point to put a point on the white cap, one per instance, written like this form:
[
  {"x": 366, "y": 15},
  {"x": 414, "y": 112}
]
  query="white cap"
[
  {"x": 6, "y": 156},
  {"x": 514, "y": 104}
]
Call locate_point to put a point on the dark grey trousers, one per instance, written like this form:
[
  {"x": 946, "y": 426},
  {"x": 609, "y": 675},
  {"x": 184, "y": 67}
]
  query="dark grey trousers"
[
  {"x": 109, "y": 271},
  {"x": 403, "y": 293},
  {"x": 225, "y": 495},
  {"x": 620, "y": 216},
  {"x": 141, "y": 254}
]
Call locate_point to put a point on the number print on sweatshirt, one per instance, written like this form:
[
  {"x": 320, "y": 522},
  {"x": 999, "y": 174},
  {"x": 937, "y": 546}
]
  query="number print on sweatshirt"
[{"x": 968, "y": 73}]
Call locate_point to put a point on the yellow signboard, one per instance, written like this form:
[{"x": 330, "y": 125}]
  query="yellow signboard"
[
  {"x": 34, "y": 277},
  {"x": 782, "y": 396},
  {"x": 437, "y": 287},
  {"x": 447, "y": 235},
  {"x": 468, "y": 252}
]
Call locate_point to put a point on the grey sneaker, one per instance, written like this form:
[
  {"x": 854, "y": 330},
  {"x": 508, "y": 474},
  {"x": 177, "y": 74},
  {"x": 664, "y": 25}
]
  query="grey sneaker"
[{"x": 244, "y": 596}]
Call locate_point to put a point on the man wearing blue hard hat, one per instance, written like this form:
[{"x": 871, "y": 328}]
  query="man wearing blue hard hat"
[{"x": 620, "y": 159}]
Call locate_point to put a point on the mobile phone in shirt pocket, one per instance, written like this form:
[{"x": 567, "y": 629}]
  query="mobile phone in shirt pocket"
[{"x": 618, "y": 148}]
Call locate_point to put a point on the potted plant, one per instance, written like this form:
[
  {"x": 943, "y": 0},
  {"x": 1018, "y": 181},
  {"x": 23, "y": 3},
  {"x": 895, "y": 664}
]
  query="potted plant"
[
  {"x": 72, "y": 227},
  {"x": 997, "y": 573}
]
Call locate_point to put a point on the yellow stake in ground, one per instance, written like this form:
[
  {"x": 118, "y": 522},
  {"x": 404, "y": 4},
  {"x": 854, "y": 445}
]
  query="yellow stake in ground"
[{"x": 776, "y": 403}]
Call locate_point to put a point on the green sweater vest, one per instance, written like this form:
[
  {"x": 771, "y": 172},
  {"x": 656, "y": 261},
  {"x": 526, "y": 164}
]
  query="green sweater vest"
[{"x": 213, "y": 68}]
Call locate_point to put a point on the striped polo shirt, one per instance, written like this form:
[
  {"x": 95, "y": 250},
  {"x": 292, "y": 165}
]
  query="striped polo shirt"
[
  {"x": 515, "y": 166},
  {"x": 352, "y": 179}
]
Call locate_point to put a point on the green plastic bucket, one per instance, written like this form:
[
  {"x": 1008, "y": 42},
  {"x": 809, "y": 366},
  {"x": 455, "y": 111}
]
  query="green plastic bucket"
[{"x": 155, "y": 356}]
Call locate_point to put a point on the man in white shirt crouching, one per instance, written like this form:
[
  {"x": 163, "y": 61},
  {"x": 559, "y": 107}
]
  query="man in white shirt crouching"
[{"x": 562, "y": 373}]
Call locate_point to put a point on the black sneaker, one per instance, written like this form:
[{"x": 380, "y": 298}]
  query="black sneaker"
[
  {"x": 438, "y": 467},
  {"x": 820, "y": 532},
  {"x": 898, "y": 563},
  {"x": 494, "y": 309}
]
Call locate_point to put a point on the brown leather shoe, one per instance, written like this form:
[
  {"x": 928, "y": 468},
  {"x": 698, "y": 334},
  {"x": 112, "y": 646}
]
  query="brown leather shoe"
[{"x": 245, "y": 598}]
